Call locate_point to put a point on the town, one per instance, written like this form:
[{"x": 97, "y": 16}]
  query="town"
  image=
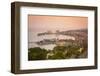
[{"x": 78, "y": 37}]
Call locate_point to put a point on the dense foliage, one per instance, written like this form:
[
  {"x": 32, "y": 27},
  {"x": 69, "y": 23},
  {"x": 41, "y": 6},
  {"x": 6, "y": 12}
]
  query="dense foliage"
[
  {"x": 58, "y": 52},
  {"x": 37, "y": 53}
]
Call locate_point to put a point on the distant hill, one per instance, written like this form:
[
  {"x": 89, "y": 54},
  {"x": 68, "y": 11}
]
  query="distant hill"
[{"x": 77, "y": 30}]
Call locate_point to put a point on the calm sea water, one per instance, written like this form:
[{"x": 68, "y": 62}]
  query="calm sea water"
[{"x": 34, "y": 38}]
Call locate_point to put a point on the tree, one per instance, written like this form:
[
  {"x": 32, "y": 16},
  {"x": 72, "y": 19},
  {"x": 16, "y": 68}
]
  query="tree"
[{"x": 37, "y": 53}]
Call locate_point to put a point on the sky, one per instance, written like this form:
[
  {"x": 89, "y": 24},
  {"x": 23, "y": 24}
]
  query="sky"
[{"x": 39, "y": 23}]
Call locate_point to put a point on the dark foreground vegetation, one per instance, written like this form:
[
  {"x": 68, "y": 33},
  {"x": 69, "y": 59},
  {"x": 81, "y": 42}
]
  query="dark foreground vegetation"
[{"x": 58, "y": 52}]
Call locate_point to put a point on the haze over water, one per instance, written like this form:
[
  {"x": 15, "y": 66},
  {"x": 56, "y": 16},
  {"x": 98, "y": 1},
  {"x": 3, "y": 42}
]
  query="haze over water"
[{"x": 40, "y": 24}]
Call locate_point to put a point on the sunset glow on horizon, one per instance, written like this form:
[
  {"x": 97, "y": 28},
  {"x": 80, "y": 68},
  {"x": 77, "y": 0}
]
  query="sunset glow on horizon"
[{"x": 63, "y": 23}]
